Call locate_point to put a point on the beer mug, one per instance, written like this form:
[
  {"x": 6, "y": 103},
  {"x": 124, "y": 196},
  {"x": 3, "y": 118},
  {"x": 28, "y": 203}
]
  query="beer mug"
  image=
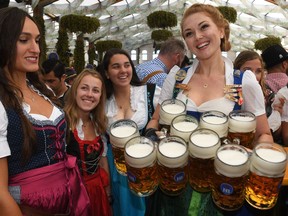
[
  {"x": 172, "y": 155},
  {"x": 183, "y": 125},
  {"x": 267, "y": 169},
  {"x": 216, "y": 121},
  {"x": 203, "y": 145},
  {"x": 140, "y": 157},
  {"x": 242, "y": 126},
  {"x": 231, "y": 166},
  {"x": 169, "y": 109},
  {"x": 119, "y": 133}
]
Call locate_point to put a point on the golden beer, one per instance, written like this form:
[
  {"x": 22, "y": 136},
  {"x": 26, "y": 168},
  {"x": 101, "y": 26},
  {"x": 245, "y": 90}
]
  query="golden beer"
[
  {"x": 169, "y": 109},
  {"x": 231, "y": 167},
  {"x": 119, "y": 133},
  {"x": 172, "y": 157},
  {"x": 242, "y": 126},
  {"x": 268, "y": 164},
  {"x": 203, "y": 145},
  {"x": 216, "y": 121},
  {"x": 183, "y": 125},
  {"x": 140, "y": 157}
]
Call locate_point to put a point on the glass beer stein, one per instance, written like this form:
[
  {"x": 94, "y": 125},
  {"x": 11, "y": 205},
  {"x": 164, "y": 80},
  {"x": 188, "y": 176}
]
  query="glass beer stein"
[
  {"x": 242, "y": 126},
  {"x": 203, "y": 145},
  {"x": 119, "y": 133},
  {"x": 267, "y": 169},
  {"x": 172, "y": 155},
  {"x": 140, "y": 157},
  {"x": 183, "y": 125},
  {"x": 169, "y": 109},
  {"x": 231, "y": 165},
  {"x": 216, "y": 121}
]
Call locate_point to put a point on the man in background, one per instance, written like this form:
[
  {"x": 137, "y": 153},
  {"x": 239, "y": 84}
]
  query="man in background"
[
  {"x": 54, "y": 76},
  {"x": 172, "y": 52},
  {"x": 70, "y": 75},
  {"x": 276, "y": 63}
]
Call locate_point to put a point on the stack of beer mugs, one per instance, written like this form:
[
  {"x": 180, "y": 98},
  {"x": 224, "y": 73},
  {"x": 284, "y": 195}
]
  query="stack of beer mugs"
[{"x": 197, "y": 155}]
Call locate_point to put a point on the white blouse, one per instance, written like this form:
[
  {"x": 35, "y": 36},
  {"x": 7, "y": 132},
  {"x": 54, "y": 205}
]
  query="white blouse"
[
  {"x": 138, "y": 101},
  {"x": 252, "y": 93}
]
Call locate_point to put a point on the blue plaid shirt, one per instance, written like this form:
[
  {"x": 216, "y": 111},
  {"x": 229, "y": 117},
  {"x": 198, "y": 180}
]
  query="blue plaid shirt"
[{"x": 148, "y": 67}]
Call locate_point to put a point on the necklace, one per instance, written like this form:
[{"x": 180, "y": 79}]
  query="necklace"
[{"x": 30, "y": 95}]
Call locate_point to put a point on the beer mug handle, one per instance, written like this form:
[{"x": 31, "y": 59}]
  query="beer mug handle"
[
  {"x": 163, "y": 133},
  {"x": 235, "y": 141}
]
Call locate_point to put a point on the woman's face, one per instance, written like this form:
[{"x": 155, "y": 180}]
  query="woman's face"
[
  {"x": 120, "y": 70},
  {"x": 202, "y": 36},
  {"x": 255, "y": 66},
  {"x": 88, "y": 93},
  {"x": 27, "y": 55}
]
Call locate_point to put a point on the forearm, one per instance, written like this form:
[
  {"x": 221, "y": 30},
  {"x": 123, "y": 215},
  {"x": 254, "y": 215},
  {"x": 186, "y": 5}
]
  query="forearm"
[
  {"x": 8, "y": 206},
  {"x": 263, "y": 133}
]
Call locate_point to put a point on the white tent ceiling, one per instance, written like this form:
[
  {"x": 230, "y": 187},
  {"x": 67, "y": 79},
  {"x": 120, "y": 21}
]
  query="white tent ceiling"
[{"x": 125, "y": 21}]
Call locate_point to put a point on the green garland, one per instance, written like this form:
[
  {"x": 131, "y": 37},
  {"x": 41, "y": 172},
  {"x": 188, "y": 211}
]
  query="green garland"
[
  {"x": 161, "y": 35},
  {"x": 263, "y": 43},
  {"x": 229, "y": 13},
  {"x": 161, "y": 19},
  {"x": 91, "y": 53},
  {"x": 76, "y": 23},
  {"x": 79, "y": 60},
  {"x": 62, "y": 46},
  {"x": 102, "y": 46}
]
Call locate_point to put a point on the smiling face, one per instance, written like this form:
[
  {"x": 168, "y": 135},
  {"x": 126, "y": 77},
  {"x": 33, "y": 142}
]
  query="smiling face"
[
  {"x": 120, "y": 70},
  {"x": 88, "y": 93},
  {"x": 28, "y": 48},
  {"x": 202, "y": 36}
]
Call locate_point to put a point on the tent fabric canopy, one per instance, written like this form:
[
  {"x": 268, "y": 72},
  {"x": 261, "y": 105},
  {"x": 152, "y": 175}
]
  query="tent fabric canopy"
[{"x": 126, "y": 20}]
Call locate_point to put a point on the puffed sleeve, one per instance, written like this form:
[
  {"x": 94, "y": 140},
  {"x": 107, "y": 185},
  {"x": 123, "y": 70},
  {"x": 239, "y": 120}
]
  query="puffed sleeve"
[
  {"x": 252, "y": 94},
  {"x": 4, "y": 147}
]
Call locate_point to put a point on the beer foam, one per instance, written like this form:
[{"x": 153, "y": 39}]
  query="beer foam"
[
  {"x": 273, "y": 162},
  {"x": 140, "y": 155},
  {"x": 217, "y": 124},
  {"x": 185, "y": 126},
  {"x": 231, "y": 163},
  {"x": 204, "y": 145},
  {"x": 271, "y": 155},
  {"x": 172, "y": 154},
  {"x": 139, "y": 150},
  {"x": 173, "y": 108},
  {"x": 242, "y": 124},
  {"x": 214, "y": 119},
  {"x": 172, "y": 149},
  {"x": 123, "y": 131}
]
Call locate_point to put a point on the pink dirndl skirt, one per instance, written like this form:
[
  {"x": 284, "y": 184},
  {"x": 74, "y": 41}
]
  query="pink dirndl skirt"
[{"x": 55, "y": 189}]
